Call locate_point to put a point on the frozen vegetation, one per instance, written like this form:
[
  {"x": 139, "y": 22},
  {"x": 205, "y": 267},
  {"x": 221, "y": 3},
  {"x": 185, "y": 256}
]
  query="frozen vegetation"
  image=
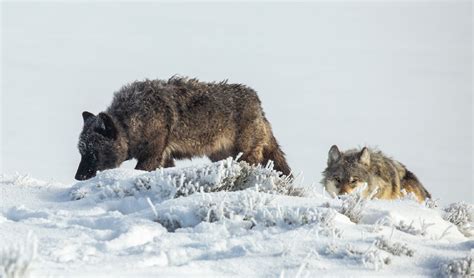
[
  {"x": 224, "y": 218},
  {"x": 16, "y": 259}
]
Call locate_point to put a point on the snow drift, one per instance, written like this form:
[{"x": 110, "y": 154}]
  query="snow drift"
[{"x": 225, "y": 218}]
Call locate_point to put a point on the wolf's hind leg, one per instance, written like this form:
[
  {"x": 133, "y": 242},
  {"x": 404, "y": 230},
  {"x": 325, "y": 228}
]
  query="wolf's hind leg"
[
  {"x": 169, "y": 162},
  {"x": 259, "y": 146},
  {"x": 275, "y": 154},
  {"x": 251, "y": 141},
  {"x": 253, "y": 156}
]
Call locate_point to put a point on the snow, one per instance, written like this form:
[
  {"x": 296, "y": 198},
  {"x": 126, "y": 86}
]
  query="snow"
[{"x": 114, "y": 225}]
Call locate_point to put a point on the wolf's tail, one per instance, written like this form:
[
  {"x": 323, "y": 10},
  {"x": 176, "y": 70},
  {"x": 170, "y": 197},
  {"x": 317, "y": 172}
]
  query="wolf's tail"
[{"x": 274, "y": 153}]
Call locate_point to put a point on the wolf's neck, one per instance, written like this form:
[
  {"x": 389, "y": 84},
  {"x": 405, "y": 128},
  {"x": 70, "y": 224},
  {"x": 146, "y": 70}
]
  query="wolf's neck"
[{"x": 122, "y": 138}]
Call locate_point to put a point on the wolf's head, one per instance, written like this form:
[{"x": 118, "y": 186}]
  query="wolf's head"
[
  {"x": 346, "y": 170},
  {"x": 98, "y": 145}
]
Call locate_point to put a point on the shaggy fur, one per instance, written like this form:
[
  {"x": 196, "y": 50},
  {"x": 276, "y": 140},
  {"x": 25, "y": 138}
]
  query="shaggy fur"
[
  {"x": 157, "y": 121},
  {"x": 348, "y": 170}
]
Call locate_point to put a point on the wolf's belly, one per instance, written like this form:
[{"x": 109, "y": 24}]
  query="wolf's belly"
[{"x": 190, "y": 145}]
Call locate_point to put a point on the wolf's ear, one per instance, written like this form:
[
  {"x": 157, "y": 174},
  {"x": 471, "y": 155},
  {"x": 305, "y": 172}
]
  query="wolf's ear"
[
  {"x": 106, "y": 126},
  {"x": 87, "y": 115},
  {"x": 334, "y": 154},
  {"x": 364, "y": 156}
]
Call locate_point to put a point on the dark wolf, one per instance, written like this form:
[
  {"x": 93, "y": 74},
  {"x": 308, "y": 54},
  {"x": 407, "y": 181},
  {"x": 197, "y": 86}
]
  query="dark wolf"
[
  {"x": 351, "y": 169},
  {"x": 157, "y": 121}
]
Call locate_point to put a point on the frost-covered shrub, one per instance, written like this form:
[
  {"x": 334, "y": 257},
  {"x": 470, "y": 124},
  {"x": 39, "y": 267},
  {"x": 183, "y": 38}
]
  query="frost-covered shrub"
[
  {"x": 163, "y": 184},
  {"x": 249, "y": 209},
  {"x": 396, "y": 248},
  {"x": 384, "y": 221},
  {"x": 402, "y": 226},
  {"x": 371, "y": 258},
  {"x": 255, "y": 208},
  {"x": 326, "y": 225},
  {"x": 461, "y": 215},
  {"x": 463, "y": 267},
  {"x": 354, "y": 204},
  {"x": 331, "y": 249},
  {"x": 245, "y": 208},
  {"x": 431, "y": 203},
  {"x": 15, "y": 260},
  {"x": 410, "y": 229}
]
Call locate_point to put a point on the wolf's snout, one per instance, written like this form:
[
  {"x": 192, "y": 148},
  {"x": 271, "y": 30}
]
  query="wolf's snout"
[
  {"x": 80, "y": 177},
  {"x": 345, "y": 189},
  {"x": 84, "y": 172}
]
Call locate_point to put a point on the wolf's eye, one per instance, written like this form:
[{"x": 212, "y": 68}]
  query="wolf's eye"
[
  {"x": 336, "y": 179},
  {"x": 355, "y": 179}
]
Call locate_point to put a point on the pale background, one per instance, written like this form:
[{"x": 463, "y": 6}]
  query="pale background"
[{"x": 397, "y": 76}]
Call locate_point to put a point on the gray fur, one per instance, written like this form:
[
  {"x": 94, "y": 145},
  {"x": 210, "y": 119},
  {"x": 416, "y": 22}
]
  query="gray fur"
[
  {"x": 157, "y": 121},
  {"x": 350, "y": 169}
]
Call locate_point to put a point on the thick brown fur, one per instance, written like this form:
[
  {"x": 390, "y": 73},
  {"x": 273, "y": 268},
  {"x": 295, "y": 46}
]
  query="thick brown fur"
[
  {"x": 349, "y": 170},
  {"x": 157, "y": 121}
]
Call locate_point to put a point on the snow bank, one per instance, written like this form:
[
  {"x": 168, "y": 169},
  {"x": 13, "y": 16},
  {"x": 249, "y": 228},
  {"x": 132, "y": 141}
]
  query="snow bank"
[
  {"x": 226, "y": 218},
  {"x": 225, "y": 175}
]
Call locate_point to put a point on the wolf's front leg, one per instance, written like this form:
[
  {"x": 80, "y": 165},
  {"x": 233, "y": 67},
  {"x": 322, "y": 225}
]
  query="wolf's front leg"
[
  {"x": 148, "y": 164},
  {"x": 151, "y": 163},
  {"x": 152, "y": 155}
]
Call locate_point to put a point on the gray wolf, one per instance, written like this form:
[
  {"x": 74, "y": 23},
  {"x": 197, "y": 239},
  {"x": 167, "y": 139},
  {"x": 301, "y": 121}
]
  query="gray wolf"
[
  {"x": 351, "y": 169},
  {"x": 157, "y": 121}
]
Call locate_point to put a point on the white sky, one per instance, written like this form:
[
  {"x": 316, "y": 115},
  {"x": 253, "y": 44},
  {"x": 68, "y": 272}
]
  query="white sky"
[{"x": 393, "y": 75}]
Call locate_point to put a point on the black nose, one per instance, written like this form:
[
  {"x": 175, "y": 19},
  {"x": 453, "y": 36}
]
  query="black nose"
[{"x": 82, "y": 177}]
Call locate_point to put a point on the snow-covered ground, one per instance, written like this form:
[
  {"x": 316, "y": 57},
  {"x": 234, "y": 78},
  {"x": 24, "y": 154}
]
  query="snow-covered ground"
[{"x": 225, "y": 218}]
